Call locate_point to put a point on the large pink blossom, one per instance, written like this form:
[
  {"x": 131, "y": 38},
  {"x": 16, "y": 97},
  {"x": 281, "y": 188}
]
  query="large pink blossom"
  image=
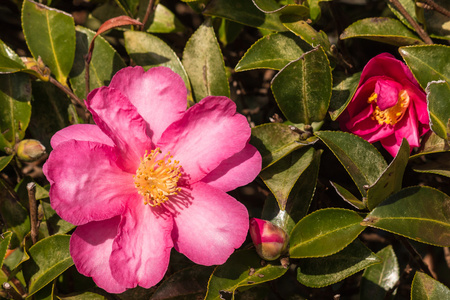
[
  {"x": 149, "y": 176},
  {"x": 388, "y": 105}
]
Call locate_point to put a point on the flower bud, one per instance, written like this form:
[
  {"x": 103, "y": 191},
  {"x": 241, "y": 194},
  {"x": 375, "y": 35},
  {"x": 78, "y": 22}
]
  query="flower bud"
[
  {"x": 29, "y": 150},
  {"x": 270, "y": 240}
]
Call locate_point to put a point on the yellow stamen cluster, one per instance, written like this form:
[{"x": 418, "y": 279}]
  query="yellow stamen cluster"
[
  {"x": 391, "y": 115},
  {"x": 155, "y": 179}
]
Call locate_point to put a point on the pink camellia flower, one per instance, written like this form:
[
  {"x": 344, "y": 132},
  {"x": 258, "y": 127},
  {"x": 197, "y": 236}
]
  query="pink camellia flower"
[
  {"x": 149, "y": 176},
  {"x": 270, "y": 240},
  {"x": 388, "y": 105}
]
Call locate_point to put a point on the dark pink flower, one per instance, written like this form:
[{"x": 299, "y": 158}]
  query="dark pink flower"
[
  {"x": 270, "y": 240},
  {"x": 388, "y": 105},
  {"x": 149, "y": 176}
]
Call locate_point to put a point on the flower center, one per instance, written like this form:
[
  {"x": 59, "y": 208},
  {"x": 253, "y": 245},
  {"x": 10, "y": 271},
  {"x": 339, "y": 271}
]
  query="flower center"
[
  {"x": 156, "y": 179},
  {"x": 391, "y": 115}
]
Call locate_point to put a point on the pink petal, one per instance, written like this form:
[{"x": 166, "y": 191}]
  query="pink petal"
[
  {"x": 141, "y": 250},
  {"x": 236, "y": 171},
  {"x": 211, "y": 226},
  {"x": 119, "y": 119},
  {"x": 209, "y": 132},
  {"x": 87, "y": 185},
  {"x": 362, "y": 125},
  {"x": 159, "y": 95},
  {"x": 359, "y": 100},
  {"x": 386, "y": 64},
  {"x": 90, "y": 248},
  {"x": 81, "y": 132},
  {"x": 387, "y": 93},
  {"x": 408, "y": 128}
]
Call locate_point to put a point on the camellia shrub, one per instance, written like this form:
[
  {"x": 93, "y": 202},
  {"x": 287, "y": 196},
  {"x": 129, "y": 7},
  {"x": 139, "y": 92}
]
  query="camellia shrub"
[{"x": 225, "y": 149}]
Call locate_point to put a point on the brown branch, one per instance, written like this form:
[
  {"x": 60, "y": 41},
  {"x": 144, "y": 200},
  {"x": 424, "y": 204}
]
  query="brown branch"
[
  {"x": 67, "y": 91},
  {"x": 416, "y": 258},
  {"x": 423, "y": 35},
  {"x": 436, "y": 7},
  {"x": 148, "y": 12},
  {"x": 31, "y": 187}
]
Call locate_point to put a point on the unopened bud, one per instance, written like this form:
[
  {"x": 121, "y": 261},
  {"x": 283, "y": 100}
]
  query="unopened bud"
[
  {"x": 270, "y": 240},
  {"x": 29, "y": 150},
  {"x": 36, "y": 68}
]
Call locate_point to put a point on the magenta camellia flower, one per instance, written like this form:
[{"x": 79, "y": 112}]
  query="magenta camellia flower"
[
  {"x": 149, "y": 176},
  {"x": 270, "y": 240},
  {"x": 388, "y": 105}
]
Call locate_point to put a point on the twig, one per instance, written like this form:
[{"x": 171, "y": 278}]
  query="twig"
[
  {"x": 12, "y": 294},
  {"x": 415, "y": 256},
  {"x": 31, "y": 187},
  {"x": 436, "y": 7},
  {"x": 67, "y": 91},
  {"x": 423, "y": 35},
  {"x": 16, "y": 283},
  {"x": 148, "y": 12}
]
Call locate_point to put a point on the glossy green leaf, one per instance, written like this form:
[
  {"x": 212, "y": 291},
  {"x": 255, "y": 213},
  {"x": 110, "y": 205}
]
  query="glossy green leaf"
[
  {"x": 390, "y": 181},
  {"x": 361, "y": 160},
  {"x": 419, "y": 213},
  {"x": 270, "y": 7},
  {"x": 104, "y": 64},
  {"x": 425, "y": 287},
  {"x": 5, "y": 238},
  {"x": 438, "y": 98},
  {"x": 428, "y": 63},
  {"x": 274, "y": 141},
  {"x": 306, "y": 32},
  {"x": 410, "y": 7},
  {"x": 323, "y": 271},
  {"x": 149, "y": 51},
  {"x": 324, "y": 232},
  {"x": 342, "y": 94},
  {"x": 245, "y": 12},
  {"x": 50, "y": 34},
  {"x": 10, "y": 62},
  {"x": 302, "y": 89},
  {"x": 55, "y": 224},
  {"x": 437, "y": 164},
  {"x": 15, "y": 108},
  {"x": 164, "y": 21},
  {"x": 348, "y": 197},
  {"x": 380, "y": 278},
  {"x": 228, "y": 31},
  {"x": 128, "y": 6},
  {"x": 13, "y": 213},
  {"x": 186, "y": 284},
  {"x": 281, "y": 177},
  {"x": 242, "y": 269},
  {"x": 49, "y": 258},
  {"x": 437, "y": 24},
  {"x": 22, "y": 191},
  {"x": 203, "y": 61},
  {"x": 51, "y": 102},
  {"x": 84, "y": 296},
  {"x": 314, "y": 9},
  {"x": 4, "y": 161},
  {"x": 273, "y": 51},
  {"x": 384, "y": 30},
  {"x": 18, "y": 256},
  {"x": 431, "y": 143},
  {"x": 46, "y": 293}
]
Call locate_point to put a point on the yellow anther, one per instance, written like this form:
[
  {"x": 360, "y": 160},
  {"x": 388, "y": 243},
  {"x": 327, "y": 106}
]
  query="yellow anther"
[{"x": 391, "y": 115}]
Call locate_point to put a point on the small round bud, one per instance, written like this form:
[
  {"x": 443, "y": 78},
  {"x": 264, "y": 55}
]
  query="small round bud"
[
  {"x": 270, "y": 240},
  {"x": 29, "y": 150}
]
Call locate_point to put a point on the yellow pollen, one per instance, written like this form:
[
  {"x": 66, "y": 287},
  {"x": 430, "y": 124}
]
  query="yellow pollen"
[
  {"x": 155, "y": 179},
  {"x": 391, "y": 115}
]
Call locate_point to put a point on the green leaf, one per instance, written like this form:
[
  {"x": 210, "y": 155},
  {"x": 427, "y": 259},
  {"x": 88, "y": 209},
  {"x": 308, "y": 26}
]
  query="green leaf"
[
  {"x": 342, "y": 94},
  {"x": 270, "y": 7},
  {"x": 5, "y": 160},
  {"x": 361, "y": 160},
  {"x": 10, "y": 62},
  {"x": 306, "y": 32},
  {"x": 104, "y": 64},
  {"x": 348, "y": 197},
  {"x": 384, "y": 30},
  {"x": 380, "y": 278},
  {"x": 324, "y": 232},
  {"x": 13, "y": 214},
  {"x": 410, "y": 7},
  {"x": 314, "y": 9},
  {"x": 428, "y": 63},
  {"x": 242, "y": 269},
  {"x": 55, "y": 224},
  {"x": 15, "y": 112},
  {"x": 390, "y": 181},
  {"x": 436, "y": 23},
  {"x": 419, "y": 213},
  {"x": 245, "y": 12},
  {"x": 203, "y": 61},
  {"x": 273, "y": 51},
  {"x": 431, "y": 143},
  {"x": 323, "y": 271},
  {"x": 274, "y": 141},
  {"x": 149, "y": 51},
  {"x": 46, "y": 293},
  {"x": 50, "y": 34},
  {"x": 281, "y": 177},
  {"x": 49, "y": 258},
  {"x": 425, "y": 287},
  {"x": 164, "y": 21},
  {"x": 438, "y": 97},
  {"x": 84, "y": 296},
  {"x": 4, "y": 243},
  {"x": 302, "y": 89},
  {"x": 439, "y": 165},
  {"x": 185, "y": 284},
  {"x": 228, "y": 31},
  {"x": 18, "y": 256}
]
